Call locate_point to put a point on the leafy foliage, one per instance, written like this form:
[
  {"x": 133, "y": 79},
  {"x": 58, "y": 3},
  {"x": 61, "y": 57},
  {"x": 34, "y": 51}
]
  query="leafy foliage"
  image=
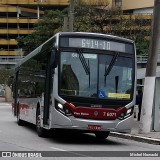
[
  {"x": 90, "y": 17},
  {"x": 93, "y": 17},
  {"x": 5, "y": 76},
  {"x": 114, "y": 22},
  {"x": 47, "y": 26}
]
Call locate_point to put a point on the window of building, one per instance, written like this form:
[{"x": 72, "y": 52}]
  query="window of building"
[{"x": 118, "y": 3}]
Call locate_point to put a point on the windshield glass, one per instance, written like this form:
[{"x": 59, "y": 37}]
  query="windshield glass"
[{"x": 106, "y": 76}]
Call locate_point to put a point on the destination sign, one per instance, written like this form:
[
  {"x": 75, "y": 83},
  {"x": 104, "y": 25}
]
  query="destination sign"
[{"x": 97, "y": 44}]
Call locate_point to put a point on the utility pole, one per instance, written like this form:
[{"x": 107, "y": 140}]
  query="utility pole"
[
  {"x": 65, "y": 25},
  {"x": 149, "y": 84},
  {"x": 71, "y": 15}
]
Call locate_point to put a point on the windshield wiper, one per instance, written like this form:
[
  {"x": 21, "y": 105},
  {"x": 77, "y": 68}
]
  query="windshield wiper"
[
  {"x": 109, "y": 68},
  {"x": 84, "y": 63}
]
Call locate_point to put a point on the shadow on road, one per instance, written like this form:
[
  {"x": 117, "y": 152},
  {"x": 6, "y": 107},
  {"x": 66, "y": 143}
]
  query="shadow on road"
[{"x": 72, "y": 137}]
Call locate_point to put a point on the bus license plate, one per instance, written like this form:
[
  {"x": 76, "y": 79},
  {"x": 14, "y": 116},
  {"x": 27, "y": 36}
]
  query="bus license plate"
[{"x": 94, "y": 127}]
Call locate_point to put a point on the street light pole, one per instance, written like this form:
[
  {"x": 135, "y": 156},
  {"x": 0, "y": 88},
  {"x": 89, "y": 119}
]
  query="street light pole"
[
  {"x": 71, "y": 15},
  {"x": 65, "y": 24},
  {"x": 149, "y": 85}
]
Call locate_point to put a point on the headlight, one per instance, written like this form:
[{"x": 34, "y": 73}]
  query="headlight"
[
  {"x": 60, "y": 106},
  {"x": 63, "y": 109},
  {"x": 126, "y": 114}
]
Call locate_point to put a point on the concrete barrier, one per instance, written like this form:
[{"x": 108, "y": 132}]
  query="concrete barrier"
[{"x": 8, "y": 94}]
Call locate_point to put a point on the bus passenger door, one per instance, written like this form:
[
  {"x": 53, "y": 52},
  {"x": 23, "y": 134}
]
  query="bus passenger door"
[
  {"x": 48, "y": 89},
  {"x": 15, "y": 93}
]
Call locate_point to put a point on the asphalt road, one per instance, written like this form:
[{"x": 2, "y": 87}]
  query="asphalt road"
[{"x": 66, "y": 145}]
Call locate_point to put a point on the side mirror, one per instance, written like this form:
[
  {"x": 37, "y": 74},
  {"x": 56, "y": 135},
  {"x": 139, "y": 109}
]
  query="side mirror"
[{"x": 53, "y": 59}]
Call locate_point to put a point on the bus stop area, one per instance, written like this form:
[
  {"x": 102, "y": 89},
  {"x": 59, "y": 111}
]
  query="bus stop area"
[
  {"x": 152, "y": 138},
  {"x": 154, "y": 135}
]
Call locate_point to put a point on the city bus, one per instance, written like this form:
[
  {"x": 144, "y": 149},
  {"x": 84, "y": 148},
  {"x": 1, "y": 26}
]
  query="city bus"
[{"x": 78, "y": 81}]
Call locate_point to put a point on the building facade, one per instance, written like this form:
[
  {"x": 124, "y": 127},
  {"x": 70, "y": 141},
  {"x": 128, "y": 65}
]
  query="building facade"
[
  {"x": 135, "y": 6},
  {"x": 17, "y": 18}
]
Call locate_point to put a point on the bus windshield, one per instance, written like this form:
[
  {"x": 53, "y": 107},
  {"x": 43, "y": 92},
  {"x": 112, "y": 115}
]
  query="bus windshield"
[{"x": 96, "y": 75}]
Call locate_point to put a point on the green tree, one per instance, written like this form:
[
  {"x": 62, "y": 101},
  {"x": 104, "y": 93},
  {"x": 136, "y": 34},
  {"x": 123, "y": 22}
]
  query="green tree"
[
  {"x": 5, "y": 76},
  {"x": 47, "y": 26},
  {"x": 91, "y": 17},
  {"x": 135, "y": 28},
  {"x": 52, "y": 22},
  {"x": 102, "y": 19}
]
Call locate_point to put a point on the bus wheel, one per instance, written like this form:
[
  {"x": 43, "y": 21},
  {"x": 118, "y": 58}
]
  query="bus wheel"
[
  {"x": 102, "y": 135},
  {"x": 41, "y": 131}
]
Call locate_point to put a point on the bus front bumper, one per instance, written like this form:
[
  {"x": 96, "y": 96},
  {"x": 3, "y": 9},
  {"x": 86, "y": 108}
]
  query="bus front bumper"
[{"x": 64, "y": 122}]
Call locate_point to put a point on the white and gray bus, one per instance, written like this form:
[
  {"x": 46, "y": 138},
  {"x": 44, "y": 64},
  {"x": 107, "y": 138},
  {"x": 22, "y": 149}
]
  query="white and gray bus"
[{"x": 77, "y": 81}]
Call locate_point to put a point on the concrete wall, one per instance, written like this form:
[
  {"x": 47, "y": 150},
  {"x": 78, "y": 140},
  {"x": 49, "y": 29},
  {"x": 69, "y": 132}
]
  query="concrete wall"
[
  {"x": 135, "y": 4},
  {"x": 143, "y": 11}
]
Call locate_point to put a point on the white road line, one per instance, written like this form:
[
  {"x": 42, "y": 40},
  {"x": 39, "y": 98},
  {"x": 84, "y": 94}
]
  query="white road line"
[
  {"x": 5, "y": 104},
  {"x": 72, "y": 152},
  {"x": 58, "y": 149}
]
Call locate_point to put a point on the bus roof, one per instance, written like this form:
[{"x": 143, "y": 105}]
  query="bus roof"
[
  {"x": 49, "y": 43},
  {"x": 100, "y": 35}
]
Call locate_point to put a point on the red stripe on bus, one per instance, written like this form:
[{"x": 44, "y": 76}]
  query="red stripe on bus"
[
  {"x": 23, "y": 106},
  {"x": 95, "y": 113}
]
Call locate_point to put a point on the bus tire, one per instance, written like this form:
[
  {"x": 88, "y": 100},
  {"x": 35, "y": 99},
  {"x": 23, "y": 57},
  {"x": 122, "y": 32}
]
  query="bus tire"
[
  {"x": 102, "y": 135},
  {"x": 40, "y": 130},
  {"x": 19, "y": 121}
]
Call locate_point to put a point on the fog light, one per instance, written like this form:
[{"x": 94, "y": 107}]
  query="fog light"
[
  {"x": 67, "y": 111},
  {"x": 121, "y": 116},
  {"x": 126, "y": 114}
]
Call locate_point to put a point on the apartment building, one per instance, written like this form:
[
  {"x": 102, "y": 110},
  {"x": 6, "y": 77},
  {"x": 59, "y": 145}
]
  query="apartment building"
[
  {"x": 134, "y": 6},
  {"x": 17, "y": 18}
]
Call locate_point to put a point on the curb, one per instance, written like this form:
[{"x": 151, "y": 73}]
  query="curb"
[{"x": 135, "y": 138}]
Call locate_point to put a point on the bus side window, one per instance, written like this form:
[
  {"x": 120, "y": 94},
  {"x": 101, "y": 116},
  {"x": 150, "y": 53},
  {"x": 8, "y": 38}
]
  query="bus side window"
[{"x": 53, "y": 59}]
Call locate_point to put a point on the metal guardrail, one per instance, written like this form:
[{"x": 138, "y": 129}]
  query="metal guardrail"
[
  {"x": 10, "y": 60},
  {"x": 143, "y": 59}
]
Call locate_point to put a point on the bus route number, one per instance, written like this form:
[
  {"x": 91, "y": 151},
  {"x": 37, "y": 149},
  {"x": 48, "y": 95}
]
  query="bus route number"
[{"x": 96, "y": 44}]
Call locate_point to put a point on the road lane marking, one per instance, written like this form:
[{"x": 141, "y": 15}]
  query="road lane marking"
[
  {"x": 5, "y": 104},
  {"x": 71, "y": 152},
  {"x": 58, "y": 149}
]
